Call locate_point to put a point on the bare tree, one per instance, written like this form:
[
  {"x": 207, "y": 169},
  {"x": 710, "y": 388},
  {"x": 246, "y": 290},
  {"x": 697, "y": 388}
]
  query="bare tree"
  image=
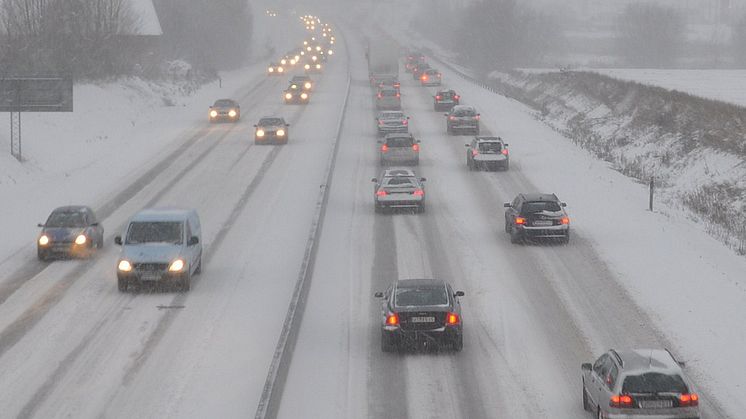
[{"x": 650, "y": 35}]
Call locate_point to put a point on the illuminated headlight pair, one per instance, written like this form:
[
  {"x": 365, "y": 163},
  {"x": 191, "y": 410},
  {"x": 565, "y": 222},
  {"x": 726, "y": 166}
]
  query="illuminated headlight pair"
[
  {"x": 80, "y": 240},
  {"x": 175, "y": 266}
]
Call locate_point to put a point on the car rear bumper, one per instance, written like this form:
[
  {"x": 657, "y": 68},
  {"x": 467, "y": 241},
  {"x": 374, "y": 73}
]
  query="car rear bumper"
[
  {"x": 463, "y": 127},
  {"x": 548, "y": 232},
  {"x": 676, "y": 413},
  {"x": 396, "y": 202},
  {"x": 416, "y": 338}
]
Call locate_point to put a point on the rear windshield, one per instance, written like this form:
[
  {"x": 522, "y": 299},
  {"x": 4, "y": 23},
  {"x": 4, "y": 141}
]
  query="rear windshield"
[
  {"x": 446, "y": 95},
  {"x": 66, "y": 219},
  {"x": 538, "y": 206},
  {"x": 388, "y": 92},
  {"x": 270, "y": 121},
  {"x": 654, "y": 382},
  {"x": 224, "y": 103},
  {"x": 154, "y": 232},
  {"x": 399, "y": 142},
  {"x": 401, "y": 182},
  {"x": 465, "y": 112},
  {"x": 421, "y": 296},
  {"x": 490, "y": 147}
]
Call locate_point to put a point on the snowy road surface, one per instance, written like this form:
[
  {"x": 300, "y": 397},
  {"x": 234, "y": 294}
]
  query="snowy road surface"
[{"x": 71, "y": 345}]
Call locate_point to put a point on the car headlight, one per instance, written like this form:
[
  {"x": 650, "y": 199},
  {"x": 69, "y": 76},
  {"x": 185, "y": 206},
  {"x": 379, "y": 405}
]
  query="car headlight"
[
  {"x": 297, "y": 57},
  {"x": 260, "y": 133},
  {"x": 309, "y": 49},
  {"x": 232, "y": 113},
  {"x": 44, "y": 240},
  {"x": 280, "y": 132},
  {"x": 283, "y": 61},
  {"x": 293, "y": 61},
  {"x": 213, "y": 113},
  {"x": 307, "y": 85},
  {"x": 318, "y": 48},
  {"x": 124, "y": 266},
  {"x": 81, "y": 239},
  {"x": 314, "y": 58},
  {"x": 280, "y": 69},
  {"x": 304, "y": 96},
  {"x": 271, "y": 70},
  {"x": 318, "y": 66},
  {"x": 330, "y": 52},
  {"x": 288, "y": 96},
  {"x": 176, "y": 266},
  {"x": 307, "y": 66}
]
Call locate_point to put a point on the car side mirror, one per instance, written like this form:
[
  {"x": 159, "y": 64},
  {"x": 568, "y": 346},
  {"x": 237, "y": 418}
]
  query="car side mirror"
[
  {"x": 563, "y": 204},
  {"x": 193, "y": 240},
  {"x": 466, "y": 145},
  {"x": 40, "y": 225},
  {"x": 506, "y": 144},
  {"x": 118, "y": 240},
  {"x": 407, "y": 117},
  {"x": 94, "y": 224},
  {"x": 586, "y": 367},
  {"x": 287, "y": 125},
  {"x": 506, "y": 205},
  {"x": 378, "y": 295},
  {"x": 374, "y": 180},
  {"x": 459, "y": 294},
  {"x": 479, "y": 114},
  {"x": 445, "y": 114},
  {"x": 254, "y": 125},
  {"x": 423, "y": 179},
  {"x": 379, "y": 141}
]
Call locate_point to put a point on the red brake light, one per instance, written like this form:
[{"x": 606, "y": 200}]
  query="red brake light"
[
  {"x": 392, "y": 320},
  {"x": 380, "y": 192},
  {"x": 457, "y": 97},
  {"x": 477, "y": 117},
  {"x": 565, "y": 220},
  {"x": 688, "y": 399},
  {"x": 474, "y": 152},
  {"x": 380, "y": 122},
  {"x": 385, "y": 148},
  {"x": 380, "y": 95},
  {"x": 438, "y": 97},
  {"x": 398, "y": 94},
  {"x": 397, "y": 85},
  {"x": 622, "y": 400},
  {"x": 451, "y": 117},
  {"x": 424, "y": 77},
  {"x": 520, "y": 220},
  {"x": 405, "y": 122},
  {"x": 505, "y": 151},
  {"x": 416, "y": 147},
  {"x": 418, "y": 192},
  {"x": 453, "y": 318}
]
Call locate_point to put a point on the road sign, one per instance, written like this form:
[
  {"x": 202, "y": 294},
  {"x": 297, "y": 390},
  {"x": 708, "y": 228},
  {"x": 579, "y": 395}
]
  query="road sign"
[{"x": 36, "y": 94}]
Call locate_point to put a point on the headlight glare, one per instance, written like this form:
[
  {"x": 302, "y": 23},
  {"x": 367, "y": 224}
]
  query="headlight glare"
[
  {"x": 260, "y": 133},
  {"x": 44, "y": 240},
  {"x": 288, "y": 96},
  {"x": 176, "y": 266},
  {"x": 213, "y": 113},
  {"x": 303, "y": 96},
  {"x": 81, "y": 239},
  {"x": 232, "y": 113},
  {"x": 280, "y": 132},
  {"x": 124, "y": 266}
]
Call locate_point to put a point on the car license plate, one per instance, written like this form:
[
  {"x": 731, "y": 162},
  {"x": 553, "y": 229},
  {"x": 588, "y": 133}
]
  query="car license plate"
[
  {"x": 543, "y": 223},
  {"x": 150, "y": 276},
  {"x": 655, "y": 404},
  {"x": 423, "y": 319}
]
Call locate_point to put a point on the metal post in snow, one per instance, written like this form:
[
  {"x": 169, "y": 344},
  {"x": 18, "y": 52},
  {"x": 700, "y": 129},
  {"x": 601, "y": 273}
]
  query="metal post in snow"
[{"x": 652, "y": 188}]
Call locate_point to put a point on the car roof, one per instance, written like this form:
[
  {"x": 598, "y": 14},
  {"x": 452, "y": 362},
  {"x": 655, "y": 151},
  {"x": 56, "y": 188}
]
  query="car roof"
[
  {"x": 463, "y": 108},
  {"x": 226, "y": 100},
  {"x": 301, "y": 77},
  {"x": 539, "y": 197},
  {"x": 647, "y": 359},
  {"x": 398, "y": 171},
  {"x": 489, "y": 139},
  {"x": 72, "y": 208},
  {"x": 419, "y": 282},
  {"x": 162, "y": 214}
]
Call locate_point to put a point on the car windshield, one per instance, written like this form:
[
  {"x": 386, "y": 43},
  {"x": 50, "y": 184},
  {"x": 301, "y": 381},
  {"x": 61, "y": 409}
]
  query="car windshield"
[
  {"x": 265, "y": 122},
  {"x": 391, "y": 115},
  {"x": 399, "y": 142},
  {"x": 490, "y": 147},
  {"x": 654, "y": 382},
  {"x": 538, "y": 206},
  {"x": 224, "y": 103},
  {"x": 401, "y": 182},
  {"x": 66, "y": 219},
  {"x": 421, "y": 296},
  {"x": 154, "y": 232},
  {"x": 464, "y": 112}
]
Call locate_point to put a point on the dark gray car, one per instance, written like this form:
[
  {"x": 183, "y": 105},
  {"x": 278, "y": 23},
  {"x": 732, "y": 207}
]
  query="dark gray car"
[
  {"x": 537, "y": 216},
  {"x": 462, "y": 119},
  {"x": 638, "y": 383},
  {"x": 388, "y": 122},
  {"x": 399, "y": 149},
  {"x": 69, "y": 231}
]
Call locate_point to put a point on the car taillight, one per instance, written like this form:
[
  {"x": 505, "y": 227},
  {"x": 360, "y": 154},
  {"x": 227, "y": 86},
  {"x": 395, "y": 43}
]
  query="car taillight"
[
  {"x": 689, "y": 399},
  {"x": 380, "y": 122},
  {"x": 418, "y": 192},
  {"x": 505, "y": 151},
  {"x": 474, "y": 152},
  {"x": 424, "y": 77},
  {"x": 520, "y": 220},
  {"x": 405, "y": 122},
  {"x": 453, "y": 318},
  {"x": 380, "y": 192},
  {"x": 392, "y": 320},
  {"x": 398, "y": 95},
  {"x": 438, "y": 97},
  {"x": 477, "y": 117},
  {"x": 416, "y": 147},
  {"x": 565, "y": 220},
  {"x": 452, "y": 117},
  {"x": 380, "y": 95},
  {"x": 397, "y": 85},
  {"x": 457, "y": 97},
  {"x": 623, "y": 400},
  {"x": 385, "y": 148}
]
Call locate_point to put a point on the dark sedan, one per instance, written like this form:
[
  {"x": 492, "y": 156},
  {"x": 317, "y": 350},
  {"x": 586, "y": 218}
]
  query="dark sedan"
[
  {"x": 69, "y": 231},
  {"x": 225, "y": 110},
  {"x": 421, "y": 314},
  {"x": 537, "y": 216},
  {"x": 271, "y": 130}
]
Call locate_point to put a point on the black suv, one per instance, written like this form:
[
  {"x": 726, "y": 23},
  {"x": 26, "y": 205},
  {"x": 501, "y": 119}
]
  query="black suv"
[
  {"x": 537, "y": 216},
  {"x": 462, "y": 118},
  {"x": 444, "y": 100}
]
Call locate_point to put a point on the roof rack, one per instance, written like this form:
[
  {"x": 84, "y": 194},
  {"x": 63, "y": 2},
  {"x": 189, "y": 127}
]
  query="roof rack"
[{"x": 618, "y": 358}]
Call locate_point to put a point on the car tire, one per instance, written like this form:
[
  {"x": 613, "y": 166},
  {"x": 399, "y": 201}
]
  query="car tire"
[
  {"x": 185, "y": 283},
  {"x": 421, "y": 209},
  {"x": 469, "y": 165},
  {"x": 199, "y": 266},
  {"x": 599, "y": 415},
  {"x": 566, "y": 239},
  {"x": 458, "y": 343},
  {"x": 377, "y": 208},
  {"x": 122, "y": 284},
  {"x": 42, "y": 255},
  {"x": 387, "y": 344},
  {"x": 515, "y": 238},
  {"x": 506, "y": 166},
  {"x": 586, "y": 405}
]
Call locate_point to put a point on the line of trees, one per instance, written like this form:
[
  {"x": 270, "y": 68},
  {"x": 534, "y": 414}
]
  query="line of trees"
[
  {"x": 94, "y": 39},
  {"x": 650, "y": 35}
]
